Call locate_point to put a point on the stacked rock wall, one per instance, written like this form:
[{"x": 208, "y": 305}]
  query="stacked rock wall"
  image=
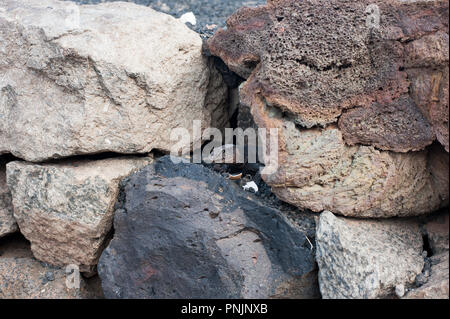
[
  {"x": 102, "y": 85},
  {"x": 358, "y": 91},
  {"x": 86, "y": 94},
  {"x": 344, "y": 95}
]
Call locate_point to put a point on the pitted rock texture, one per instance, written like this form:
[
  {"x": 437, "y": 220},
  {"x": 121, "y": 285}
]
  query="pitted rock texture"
[
  {"x": 404, "y": 126},
  {"x": 117, "y": 81},
  {"x": 361, "y": 259},
  {"x": 318, "y": 171},
  {"x": 66, "y": 209},
  {"x": 184, "y": 231},
  {"x": 8, "y": 224},
  {"x": 314, "y": 59},
  {"x": 306, "y": 65}
]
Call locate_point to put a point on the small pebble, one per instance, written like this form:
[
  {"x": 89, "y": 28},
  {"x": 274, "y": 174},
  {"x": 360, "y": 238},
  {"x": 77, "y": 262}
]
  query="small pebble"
[
  {"x": 50, "y": 276},
  {"x": 251, "y": 187},
  {"x": 400, "y": 290},
  {"x": 188, "y": 17}
]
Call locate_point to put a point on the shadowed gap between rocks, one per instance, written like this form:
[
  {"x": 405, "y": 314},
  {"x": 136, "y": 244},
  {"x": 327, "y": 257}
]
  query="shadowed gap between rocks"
[{"x": 35, "y": 277}]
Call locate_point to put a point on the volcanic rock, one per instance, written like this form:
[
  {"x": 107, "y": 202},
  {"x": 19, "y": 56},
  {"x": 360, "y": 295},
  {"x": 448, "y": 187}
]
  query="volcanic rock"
[
  {"x": 404, "y": 128},
  {"x": 429, "y": 89},
  {"x": 315, "y": 61},
  {"x": 319, "y": 63},
  {"x": 184, "y": 231}
]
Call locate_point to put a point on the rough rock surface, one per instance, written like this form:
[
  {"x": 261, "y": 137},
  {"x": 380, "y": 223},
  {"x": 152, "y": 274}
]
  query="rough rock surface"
[
  {"x": 337, "y": 60},
  {"x": 437, "y": 231},
  {"x": 8, "y": 224},
  {"x": 318, "y": 171},
  {"x": 404, "y": 126},
  {"x": 183, "y": 231},
  {"x": 210, "y": 14},
  {"x": 66, "y": 209},
  {"x": 317, "y": 63},
  {"x": 118, "y": 81},
  {"x": 23, "y": 277},
  {"x": 362, "y": 259},
  {"x": 437, "y": 286},
  {"x": 430, "y": 82}
]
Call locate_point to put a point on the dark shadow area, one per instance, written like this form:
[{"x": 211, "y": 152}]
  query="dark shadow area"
[{"x": 15, "y": 246}]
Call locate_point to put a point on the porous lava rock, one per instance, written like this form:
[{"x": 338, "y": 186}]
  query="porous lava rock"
[{"x": 357, "y": 104}]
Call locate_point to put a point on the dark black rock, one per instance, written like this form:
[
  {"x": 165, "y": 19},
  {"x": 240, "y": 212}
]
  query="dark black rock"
[
  {"x": 184, "y": 231},
  {"x": 50, "y": 276},
  {"x": 231, "y": 79},
  {"x": 245, "y": 118}
]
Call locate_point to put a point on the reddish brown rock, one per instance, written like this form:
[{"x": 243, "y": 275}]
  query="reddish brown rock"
[
  {"x": 398, "y": 126},
  {"x": 184, "y": 231},
  {"x": 309, "y": 63},
  {"x": 427, "y": 67},
  {"x": 314, "y": 59},
  {"x": 428, "y": 51},
  {"x": 317, "y": 170},
  {"x": 429, "y": 89}
]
